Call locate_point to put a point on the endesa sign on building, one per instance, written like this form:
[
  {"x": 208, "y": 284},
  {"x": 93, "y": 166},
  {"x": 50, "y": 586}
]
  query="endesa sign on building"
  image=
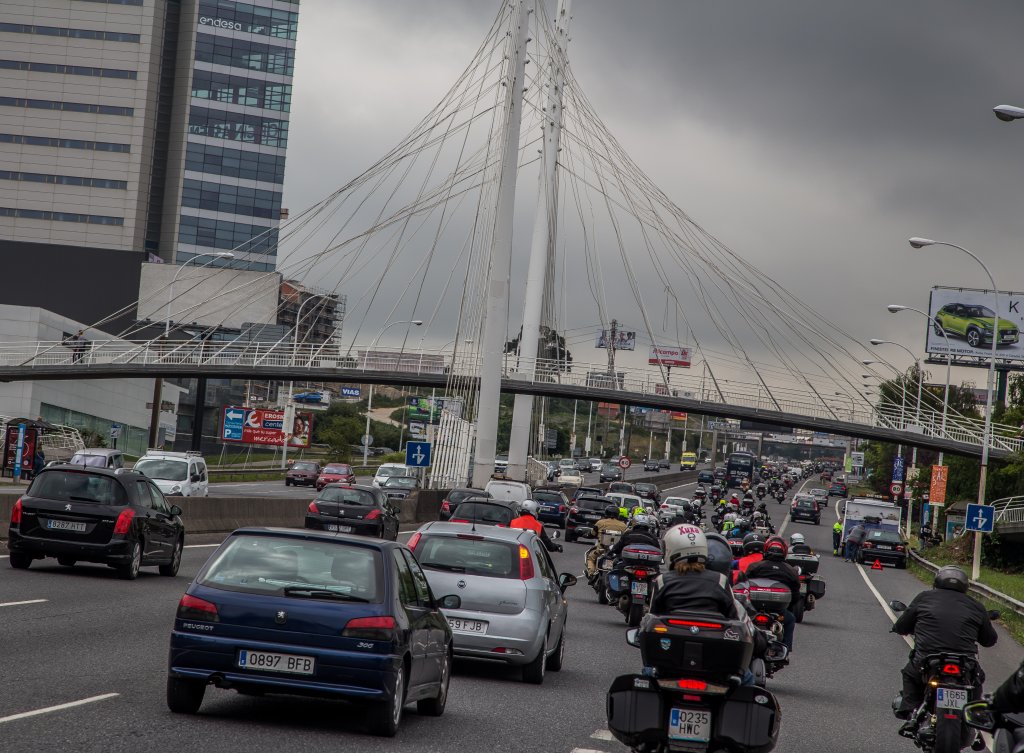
[{"x": 669, "y": 356}]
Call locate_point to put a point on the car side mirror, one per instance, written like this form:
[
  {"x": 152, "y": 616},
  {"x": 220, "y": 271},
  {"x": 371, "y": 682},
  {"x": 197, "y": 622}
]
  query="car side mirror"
[
  {"x": 897, "y": 606},
  {"x": 980, "y": 716},
  {"x": 451, "y": 601},
  {"x": 175, "y": 510},
  {"x": 565, "y": 580},
  {"x": 633, "y": 637}
]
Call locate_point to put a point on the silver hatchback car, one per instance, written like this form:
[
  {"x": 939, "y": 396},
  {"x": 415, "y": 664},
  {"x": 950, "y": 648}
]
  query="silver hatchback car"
[{"x": 513, "y": 605}]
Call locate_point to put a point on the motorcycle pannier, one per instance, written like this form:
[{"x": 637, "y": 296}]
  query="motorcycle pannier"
[
  {"x": 816, "y": 586},
  {"x": 749, "y": 719},
  {"x": 695, "y": 643},
  {"x": 609, "y": 538},
  {"x": 634, "y": 709}
]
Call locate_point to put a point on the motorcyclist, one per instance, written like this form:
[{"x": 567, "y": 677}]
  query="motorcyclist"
[
  {"x": 641, "y": 531},
  {"x": 837, "y": 538},
  {"x": 528, "y": 519},
  {"x": 689, "y": 585},
  {"x": 753, "y": 547},
  {"x": 798, "y": 545},
  {"x": 944, "y": 619},
  {"x": 610, "y": 522},
  {"x": 774, "y": 566}
]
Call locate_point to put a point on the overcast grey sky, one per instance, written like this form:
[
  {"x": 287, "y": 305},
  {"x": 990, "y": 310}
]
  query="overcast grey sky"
[{"x": 812, "y": 138}]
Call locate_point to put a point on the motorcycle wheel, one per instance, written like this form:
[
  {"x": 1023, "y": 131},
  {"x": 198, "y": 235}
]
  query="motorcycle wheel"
[
  {"x": 948, "y": 734},
  {"x": 602, "y": 594},
  {"x": 635, "y": 614}
]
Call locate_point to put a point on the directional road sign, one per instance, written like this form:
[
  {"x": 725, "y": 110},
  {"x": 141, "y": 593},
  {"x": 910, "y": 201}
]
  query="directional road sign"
[
  {"x": 981, "y": 518},
  {"x": 234, "y": 424},
  {"x": 624, "y": 463},
  {"x": 417, "y": 454}
]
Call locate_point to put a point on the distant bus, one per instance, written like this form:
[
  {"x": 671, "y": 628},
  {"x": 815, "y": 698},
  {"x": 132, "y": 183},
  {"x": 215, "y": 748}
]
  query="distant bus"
[{"x": 739, "y": 466}]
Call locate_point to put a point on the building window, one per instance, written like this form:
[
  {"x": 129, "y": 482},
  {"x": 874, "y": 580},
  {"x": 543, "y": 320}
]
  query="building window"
[
  {"x": 243, "y": 53},
  {"x": 234, "y": 126},
  {"x": 99, "y": 146},
  {"x": 113, "y": 2},
  {"x": 254, "y": 19},
  {"x": 40, "y": 214},
  {"x": 63, "y": 180},
  {"x": 74, "y": 70},
  {"x": 232, "y": 199},
  {"x": 202, "y": 231},
  {"x": 60, "y": 31},
  {"x": 235, "y": 163},
  {"x": 221, "y": 87},
  {"x": 49, "y": 104}
]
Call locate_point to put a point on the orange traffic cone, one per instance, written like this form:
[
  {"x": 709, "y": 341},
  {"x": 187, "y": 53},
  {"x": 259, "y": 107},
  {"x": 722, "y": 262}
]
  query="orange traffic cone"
[{"x": 877, "y": 565}]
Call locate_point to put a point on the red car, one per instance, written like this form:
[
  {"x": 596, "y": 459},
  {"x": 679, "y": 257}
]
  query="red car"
[{"x": 335, "y": 473}]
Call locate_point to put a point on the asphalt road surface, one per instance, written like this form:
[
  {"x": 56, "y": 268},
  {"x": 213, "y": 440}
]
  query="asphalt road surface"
[{"x": 84, "y": 662}]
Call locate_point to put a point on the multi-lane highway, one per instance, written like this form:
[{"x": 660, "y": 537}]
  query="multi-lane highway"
[{"x": 84, "y": 664}]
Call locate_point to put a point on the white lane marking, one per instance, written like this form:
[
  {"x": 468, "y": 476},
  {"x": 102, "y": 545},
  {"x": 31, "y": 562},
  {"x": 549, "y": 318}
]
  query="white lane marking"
[
  {"x": 885, "y": 607},
  {"x": 19, "y": 603},
  {"x": 4, "y": 556},
  {"x": 200, "y": 546},
  {"x": 585, "y": 750},
  {"x": 603, "y": 734},
  {"x": 61, "y": 707},
  {"x": 782, "y": 528}
]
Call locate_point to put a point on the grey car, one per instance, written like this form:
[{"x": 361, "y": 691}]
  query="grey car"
[{"x": 513, "y": 604}]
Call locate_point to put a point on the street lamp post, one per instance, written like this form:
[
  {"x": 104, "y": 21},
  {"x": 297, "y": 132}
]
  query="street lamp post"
[
  {"x": 369, "y": 399},
  {"x": 987, "y": 431}
]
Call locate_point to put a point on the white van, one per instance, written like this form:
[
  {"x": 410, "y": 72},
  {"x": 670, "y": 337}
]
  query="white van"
[
  {"x": 176, "y": 474},
  {"x": 510, "y": 493},
  {"x": 387, "y": 470},
  {"x": 98, "y": 457}
]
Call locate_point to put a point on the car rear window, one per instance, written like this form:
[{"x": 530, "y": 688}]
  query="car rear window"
[
  {"x": 457, "y": 495},
  {"x": 482, "y": 512},
  {"x": 471, "y": 555},
  {"x": 886, "y": 537},
  {"x": 163, "y": 469},
  {"x": 805, "y": 503},
  {"x": 94, "y": 461},
  {"x": 269, "y": 564},
  {"x": 347, "y": 495},
  {"x": 75, "y": 486},
  {"x": 401, "y": 482},
  {"x": 303, "y": 466},
  {"x": 547, "y": 496},
  {"x": 592, "y": 503},
  {"x": 341, "y": 470}
]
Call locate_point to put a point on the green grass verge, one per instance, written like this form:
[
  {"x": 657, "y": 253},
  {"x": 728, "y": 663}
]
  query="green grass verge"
[
  {"x": 1013, "y": 622},
  {"x": 958, "y": 552}
]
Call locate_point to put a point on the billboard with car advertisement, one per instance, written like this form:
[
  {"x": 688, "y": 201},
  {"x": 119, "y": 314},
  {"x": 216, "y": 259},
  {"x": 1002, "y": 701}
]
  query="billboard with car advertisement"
[
  {"x": 967, "y": 317},
  {"x": 260, "y": 426}
]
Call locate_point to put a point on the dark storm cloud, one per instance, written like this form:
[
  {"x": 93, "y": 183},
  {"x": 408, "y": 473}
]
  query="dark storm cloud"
[{"x": 812, "y": 137}]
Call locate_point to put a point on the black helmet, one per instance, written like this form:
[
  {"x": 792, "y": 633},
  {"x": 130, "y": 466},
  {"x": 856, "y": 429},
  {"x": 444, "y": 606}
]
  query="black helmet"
[
  {"x": 611, "y": 511},
  {"x": 753, "y": 542},
  {"x": 719, "y": 554},
  {"x": 953, "y": 578}
]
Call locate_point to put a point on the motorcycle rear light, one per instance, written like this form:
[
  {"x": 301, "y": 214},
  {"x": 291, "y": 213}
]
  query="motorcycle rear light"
[
  {"x": 762, "y": 620},
  {"x": 199, "y": 610},
  {"x": 370, "y": 628},
  {"x": 313, "y": 508},
  {"x": 696, "y": 624},
  {"x": 372, "y": 515},
  {"x": 769, "y": 590},
  {"x": 951, "y": 669},
  {"x": 414, "y": 540},
  {"x": 688, "y": 683},
  {"x": 16, "y": 513},
  {"x": 525, "y": 564},
  {"x": 574, "y": 510},
  {"x": 640, "y": 573},
  {"x": 124, "y": 521}
]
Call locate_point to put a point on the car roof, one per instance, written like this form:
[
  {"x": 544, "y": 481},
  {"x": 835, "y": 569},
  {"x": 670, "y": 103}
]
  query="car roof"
[
  {"x": 311, "y": 535},
  {"x": 494, "y": 533},
  {"x": 125, "y": 473},
  {"x": 101, "y": 451},
  {"x": 360, "y": 487}
]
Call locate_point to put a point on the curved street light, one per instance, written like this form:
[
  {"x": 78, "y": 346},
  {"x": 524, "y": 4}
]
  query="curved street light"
[{"x": 170, "y": 288}]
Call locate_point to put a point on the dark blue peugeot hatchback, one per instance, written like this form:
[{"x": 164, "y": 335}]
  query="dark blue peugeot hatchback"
[{"x": 311, "y": 613}]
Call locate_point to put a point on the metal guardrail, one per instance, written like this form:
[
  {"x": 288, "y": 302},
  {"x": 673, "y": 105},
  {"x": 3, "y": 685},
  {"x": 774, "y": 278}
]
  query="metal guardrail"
[{"x": 978, "y": 589}]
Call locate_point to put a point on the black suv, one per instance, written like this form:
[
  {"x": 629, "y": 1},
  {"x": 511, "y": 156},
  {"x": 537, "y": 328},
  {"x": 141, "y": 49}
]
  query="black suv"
[
  {"x": 584, "y": 513},
  {"x": 805, "y": 507},
  {"x": 83, "y": 514}
]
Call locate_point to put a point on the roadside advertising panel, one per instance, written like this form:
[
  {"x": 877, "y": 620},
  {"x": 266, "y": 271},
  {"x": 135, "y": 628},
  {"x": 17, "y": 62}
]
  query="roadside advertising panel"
[
  {"x": 260, "y": 426},
  {"x": 967, "y": 317},
  {"x": 937, "y": 490},
  {"x": 669, "y": 356}
]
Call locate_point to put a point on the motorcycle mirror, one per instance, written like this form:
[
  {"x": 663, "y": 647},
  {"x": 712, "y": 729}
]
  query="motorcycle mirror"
[
  {"x": 979, "y": 715},
  {"x": 633, "y": 637},
  {"x": 897, "y": 606},
  {"x": 994, "y": 614}
]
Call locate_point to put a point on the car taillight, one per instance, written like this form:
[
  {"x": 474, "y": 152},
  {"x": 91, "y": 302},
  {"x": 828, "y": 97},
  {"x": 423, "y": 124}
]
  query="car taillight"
[
  {"x": 561, "y": 508},
  {"x": 313, "y": 508},
  {"x": 200, "y": 610},
  {"x": 525, "y": 564},
  {"x": 414, "y": 540},
  {"x": 16, "y": 513},
  {"x": 899, "y": 548},
  {"x": 124, "y": 521},
  {"x": 372, "y": 515},
  {"x": 868, "y": 545},
  {"x": 458, "y": 520},
  {"x": 370, "y": 628},
  {"x": 688, "y": 683},
  {"x": 446, "y": 506},
  {"x": 574, "y": 510}
]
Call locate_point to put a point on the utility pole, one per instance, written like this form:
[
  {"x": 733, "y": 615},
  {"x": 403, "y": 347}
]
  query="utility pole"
[
  {"x": 572, "y": 436},
  {"x": 492, "y": 350},
  {"x": 542, "y": 246},
  {"x": 612, "y": 334},
  {"x": 590, "y": 414}
]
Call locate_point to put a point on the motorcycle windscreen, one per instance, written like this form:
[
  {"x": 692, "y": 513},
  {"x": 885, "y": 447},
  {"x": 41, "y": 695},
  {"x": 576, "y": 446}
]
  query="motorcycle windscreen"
[
  {"x": 635, "y": 711},
  {"x": 749, "y": 720}
]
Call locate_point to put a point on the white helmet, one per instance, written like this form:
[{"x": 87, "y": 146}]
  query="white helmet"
[
  {"x": 640, "y": 520},
  {"x": 686, "y": 543},
  {"x": 528, "y": 506},
  {"x": 796, "y": 538},
  {"x": 731, "y": 517}
]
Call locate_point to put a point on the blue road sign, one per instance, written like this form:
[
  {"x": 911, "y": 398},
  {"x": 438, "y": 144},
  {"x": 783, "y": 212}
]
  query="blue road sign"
[
  {"x": 899, "y": 466},
  {"x": 351, "y": 392},
  {"x": 417, "y": 454},
  {"x": 234, "y": 420},
  {"x": 981, "y": 518}
]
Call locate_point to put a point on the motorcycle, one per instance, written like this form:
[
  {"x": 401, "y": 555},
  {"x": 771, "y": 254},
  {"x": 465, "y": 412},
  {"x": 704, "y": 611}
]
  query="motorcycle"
[
  {"x": 631, "y": 580},
  {"x": 1007, "y": 730},
  {"x": 598, "y": 578},
  {"x": 950, "y": 680},
  {"x": 761, "y": 492},
  {"x": 768, "y": 599},
  {"x": 812, "y": 585},
  {"x": 689, "y": 697},
  {"x": 780, "y": 496}
]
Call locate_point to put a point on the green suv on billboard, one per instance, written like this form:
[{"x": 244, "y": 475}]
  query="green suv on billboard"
[{"x": 974, "y": 323}]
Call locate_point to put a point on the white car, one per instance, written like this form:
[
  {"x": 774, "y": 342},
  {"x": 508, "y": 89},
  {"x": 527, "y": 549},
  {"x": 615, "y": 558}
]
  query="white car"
[
  {"x": 569, "y": 478},
  {"x": 510, "y": 493},
  {"x": 176, "y": 474},
  {"x": 387, "y": 470},
  {"x": 670, "y": 507}
]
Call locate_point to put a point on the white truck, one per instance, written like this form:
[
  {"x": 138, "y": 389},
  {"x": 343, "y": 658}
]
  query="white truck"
[{"x": 873, "y": 514}]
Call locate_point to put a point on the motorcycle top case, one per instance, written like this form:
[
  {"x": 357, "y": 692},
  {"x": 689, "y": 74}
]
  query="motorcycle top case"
[
  {"x": 768, "y": 594},
  {"x": 695, "y": 643},
  {"x": 808, "y": 563},
  {"x": 610, "y": 538},
  {"x": 641, "y": 554}
]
